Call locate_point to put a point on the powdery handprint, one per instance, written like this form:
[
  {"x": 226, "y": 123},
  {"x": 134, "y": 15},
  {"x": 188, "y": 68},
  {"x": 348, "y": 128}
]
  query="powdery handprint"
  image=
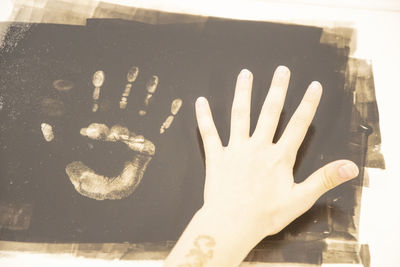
[{"x": 96, "y": 186}]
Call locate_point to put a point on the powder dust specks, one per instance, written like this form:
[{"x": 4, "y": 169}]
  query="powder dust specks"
[
  {"x": 11, "y": 34},
  {"x": 15, "y": 216},
  {"x": 1, "y": 102}
]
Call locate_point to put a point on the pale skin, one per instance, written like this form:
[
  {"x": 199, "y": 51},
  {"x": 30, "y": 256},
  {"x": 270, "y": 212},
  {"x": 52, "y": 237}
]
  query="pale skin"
[{"x": 250, "y": 191}]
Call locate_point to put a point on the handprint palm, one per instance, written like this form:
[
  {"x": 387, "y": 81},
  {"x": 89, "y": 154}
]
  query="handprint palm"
[{"x": 96, "y": 186}]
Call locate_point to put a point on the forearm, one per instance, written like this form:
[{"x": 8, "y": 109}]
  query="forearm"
[{"x": 211, "y": 239}]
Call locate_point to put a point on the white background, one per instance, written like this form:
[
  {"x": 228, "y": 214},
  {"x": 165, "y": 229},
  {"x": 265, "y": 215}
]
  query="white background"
[{"x": 378, "y": 26}]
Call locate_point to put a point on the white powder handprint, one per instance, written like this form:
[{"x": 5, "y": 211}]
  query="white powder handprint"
[{"x": 94, "y": 185}]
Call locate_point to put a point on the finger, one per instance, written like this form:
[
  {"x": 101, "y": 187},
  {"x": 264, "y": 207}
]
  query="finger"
[
  {"x": 240, "y": 115},
  {"x": 298, "y": 125},
  {"x": 208, "y": 131},
  {"x": 323, "y": 180},
  {"x": 272, "y": 107}
]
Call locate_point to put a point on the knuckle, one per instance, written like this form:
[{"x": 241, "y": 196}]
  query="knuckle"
[
  {"x": 309, "y": 99},
  {"x": 290, "y": 156},
  {"x": 238, "y": 111},
  {"x": 205, "y": 131},
  {"x": 203, "y": 121},
  {"x": 274, "y": 108},
  {"x": 300, "y": 120},
  {"x": 282, "y": 155},
  {"x": 328, "y": 180},
  {"x": 207, "y": 134},
  {"x": 280, "y": 81}
]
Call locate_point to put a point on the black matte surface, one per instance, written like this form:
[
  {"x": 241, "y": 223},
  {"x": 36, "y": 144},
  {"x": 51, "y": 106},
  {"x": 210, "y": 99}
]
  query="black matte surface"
[{"x": 191, "y": 60}]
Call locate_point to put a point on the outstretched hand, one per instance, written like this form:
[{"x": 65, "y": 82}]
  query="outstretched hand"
[
  {"x": 250, "y": 191},
  {"x": 253, "y": 176}
]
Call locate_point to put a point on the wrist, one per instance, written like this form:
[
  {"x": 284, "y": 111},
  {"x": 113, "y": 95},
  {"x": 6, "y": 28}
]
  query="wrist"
[{"x": 241, "y": 226}]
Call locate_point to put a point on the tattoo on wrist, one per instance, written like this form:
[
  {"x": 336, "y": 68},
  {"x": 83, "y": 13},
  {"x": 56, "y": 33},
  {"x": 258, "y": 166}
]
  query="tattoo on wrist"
[{"x": 201, "y": 252}]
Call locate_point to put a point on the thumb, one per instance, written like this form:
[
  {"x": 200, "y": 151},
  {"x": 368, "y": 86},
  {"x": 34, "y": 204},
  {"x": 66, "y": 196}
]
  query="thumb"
[{"x": 324, "y": 179}]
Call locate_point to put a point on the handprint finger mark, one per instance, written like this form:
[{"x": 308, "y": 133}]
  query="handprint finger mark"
[
  {"x": 124, "y": 99},
  {"x": 131, "y": 78},
  {"x": 175, "y": 107},
  {"x": 151, "y": 87},
  {"x": 90, "y": 184},
  {"x": 47, "y": 131},
  {"x": 97, "y": 80},
  {"x": 52, "y": 107},
  {"x": 63, "y": 85}
]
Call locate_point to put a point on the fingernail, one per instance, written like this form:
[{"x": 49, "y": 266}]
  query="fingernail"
[
  {"x": 245, "y": 74},
  {"x": 315, "y": 87},
  {"x": 201, "y": 101},
  {"x": 348, "y": 170},
  {"x": 282, "y": 71}
]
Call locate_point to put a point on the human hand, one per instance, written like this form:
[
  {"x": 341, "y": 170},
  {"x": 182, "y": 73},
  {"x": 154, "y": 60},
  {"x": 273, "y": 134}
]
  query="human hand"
[
  {"x": 251, "y": 180},
  {"x": 250, "y": 191}
]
